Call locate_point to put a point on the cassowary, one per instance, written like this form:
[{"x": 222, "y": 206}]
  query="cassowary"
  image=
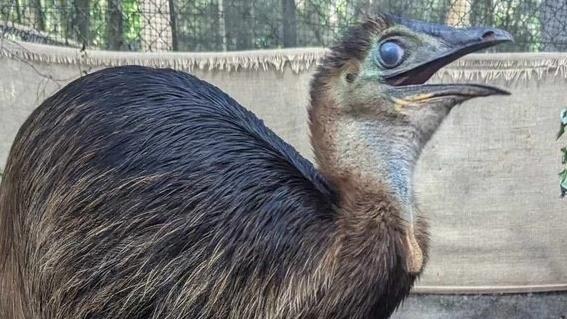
[{"x": 136, "y": 192}]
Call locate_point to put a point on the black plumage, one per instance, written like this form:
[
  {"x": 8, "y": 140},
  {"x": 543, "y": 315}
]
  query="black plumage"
[
  {"x": 159, "y": 159},
  {"x": 151, "y": 172}
]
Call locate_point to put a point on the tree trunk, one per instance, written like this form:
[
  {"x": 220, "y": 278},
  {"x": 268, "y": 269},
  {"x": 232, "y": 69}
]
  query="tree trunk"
[
  {"x": 289, "y": 23},
  {"x": 38, "y": 17},
  {"x": 81, "y": 23},
  {"x": 489, "y": 12},
  {"x": 315, "y": 16},
  {"x": 222, "y": 25},
  {"x": 65, "y": 22},
  {"x": 238, "y": 24},
  {"x": 18, "y": 12},
  {"x": 242, "y": 26},
  {"x": 114, "y": 25},
  {"x": 173, "y": 25}
]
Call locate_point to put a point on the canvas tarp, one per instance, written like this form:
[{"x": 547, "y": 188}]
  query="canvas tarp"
[{"x": 488, "y": 180}]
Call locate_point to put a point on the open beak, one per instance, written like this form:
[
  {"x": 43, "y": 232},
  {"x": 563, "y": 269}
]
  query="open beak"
[
  {"x": 449, "y": 45},
  {"x": 416, "y": 94}
]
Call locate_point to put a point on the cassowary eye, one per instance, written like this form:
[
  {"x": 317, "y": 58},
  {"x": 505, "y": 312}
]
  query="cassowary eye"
[{"x": 390, "y": 54}]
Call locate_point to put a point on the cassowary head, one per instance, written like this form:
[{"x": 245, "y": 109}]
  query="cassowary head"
[
  {"x": 371, "y": 111},
  {"x": 372, "y": 83}
]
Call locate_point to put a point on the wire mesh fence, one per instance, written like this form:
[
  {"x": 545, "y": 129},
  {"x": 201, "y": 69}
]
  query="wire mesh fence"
[{"x": 226, "y": 25}]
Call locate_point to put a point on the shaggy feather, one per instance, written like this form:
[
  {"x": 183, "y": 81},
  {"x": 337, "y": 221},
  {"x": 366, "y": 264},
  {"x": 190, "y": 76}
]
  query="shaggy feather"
[{"x": 148, "y": 193}]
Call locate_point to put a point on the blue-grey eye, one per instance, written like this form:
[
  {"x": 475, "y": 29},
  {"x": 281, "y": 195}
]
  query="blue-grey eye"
[{"x": 391, "y": 54}]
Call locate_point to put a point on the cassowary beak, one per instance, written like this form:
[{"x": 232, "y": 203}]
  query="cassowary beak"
[
  {"x": 418, "y": 94},
  {"x": 441, "y": 46}
]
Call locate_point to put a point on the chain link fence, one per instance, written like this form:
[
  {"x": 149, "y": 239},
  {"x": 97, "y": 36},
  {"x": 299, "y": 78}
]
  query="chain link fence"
[{"x": 227, "y": 25}]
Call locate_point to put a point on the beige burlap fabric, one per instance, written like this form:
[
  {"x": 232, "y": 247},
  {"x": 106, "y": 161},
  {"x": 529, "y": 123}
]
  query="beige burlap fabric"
[{"x": 488, "y": 180}]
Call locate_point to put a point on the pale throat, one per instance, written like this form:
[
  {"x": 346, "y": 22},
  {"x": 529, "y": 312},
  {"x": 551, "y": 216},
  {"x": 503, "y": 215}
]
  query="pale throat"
[
  {"x": 381, "y": 158},
  {"x": 390, "y": 160},
  {"x": 394, "y": 168},
  {"x": 391, "y": 164}
]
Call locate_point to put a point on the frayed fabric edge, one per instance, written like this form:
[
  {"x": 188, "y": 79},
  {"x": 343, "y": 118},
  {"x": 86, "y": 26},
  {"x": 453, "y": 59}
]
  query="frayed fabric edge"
[{"x": 475, "y": 67}]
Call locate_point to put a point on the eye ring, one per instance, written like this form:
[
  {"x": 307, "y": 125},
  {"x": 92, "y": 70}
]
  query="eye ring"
[{"x": 390, "y": 54}]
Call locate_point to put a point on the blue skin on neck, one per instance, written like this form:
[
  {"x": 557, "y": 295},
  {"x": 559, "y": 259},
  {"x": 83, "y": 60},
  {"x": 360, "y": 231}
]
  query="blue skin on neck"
[{"x": 399, "y": 177}]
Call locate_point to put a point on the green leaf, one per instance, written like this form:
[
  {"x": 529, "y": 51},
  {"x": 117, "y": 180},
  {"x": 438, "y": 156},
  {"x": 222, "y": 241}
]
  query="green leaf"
[
  {"x": 563, "y": 183},
  {"x": 563, "y": 118}
]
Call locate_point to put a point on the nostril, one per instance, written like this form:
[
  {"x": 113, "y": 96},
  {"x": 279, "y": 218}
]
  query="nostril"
[{"x": 488, "y": 35}]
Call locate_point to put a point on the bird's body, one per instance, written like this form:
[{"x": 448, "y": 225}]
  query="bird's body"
[
  {"x": 202, "y": 201},
  {"x": 148, "y": 193}
]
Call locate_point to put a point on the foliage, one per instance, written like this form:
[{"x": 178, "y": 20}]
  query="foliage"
[
  {"x": 98, "y": 23},
  {"x": 132, "y": 20},
  {"x": 224, "y": 25}
]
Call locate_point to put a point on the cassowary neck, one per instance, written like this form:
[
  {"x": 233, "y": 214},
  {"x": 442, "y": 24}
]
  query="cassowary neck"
[
  {"x": 371, "y": 165},
  {"x": 377, "y": 182},
  {"x": 394, "y": 165},
  {"x": 375, "y": 159}
]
